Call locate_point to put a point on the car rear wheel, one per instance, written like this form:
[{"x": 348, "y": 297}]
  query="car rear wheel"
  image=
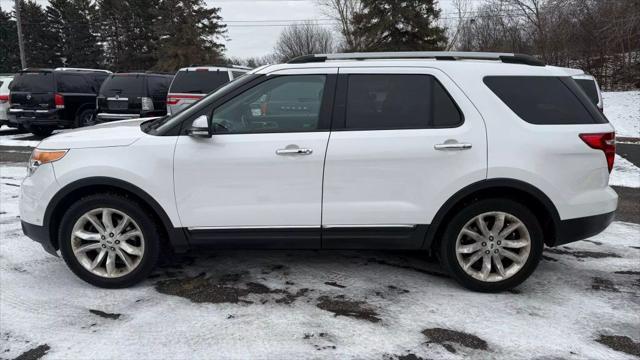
[
  {"x": 492, "y": 245},
  {"x": 85, "y": 118},
  {"x": 109, "y": 241}
]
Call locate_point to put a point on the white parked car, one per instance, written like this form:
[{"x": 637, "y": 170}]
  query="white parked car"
[
  {"x": 192, "y": 84},
  {"x": 4, "y": 97},
  {"x": 481, "y": 158}
]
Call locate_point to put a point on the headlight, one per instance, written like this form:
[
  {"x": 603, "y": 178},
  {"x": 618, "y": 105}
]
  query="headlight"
[{"x": 41, "y": 157}]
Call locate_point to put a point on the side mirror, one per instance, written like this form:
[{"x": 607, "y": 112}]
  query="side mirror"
[{"x": 200, "y": 127}]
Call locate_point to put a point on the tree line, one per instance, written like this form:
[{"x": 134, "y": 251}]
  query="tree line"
[{"x": 162, "y": 35}]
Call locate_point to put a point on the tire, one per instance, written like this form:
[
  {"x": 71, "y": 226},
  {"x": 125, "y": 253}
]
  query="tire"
[
  {"x": 513, "y": 272},
  {"x": 85, "y": 118},
  {"x": 141, "y": 253},
  {"x": 42, "y": 132}
]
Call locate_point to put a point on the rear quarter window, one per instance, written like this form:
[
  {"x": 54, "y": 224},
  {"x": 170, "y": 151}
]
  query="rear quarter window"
[
  {"x": 158, "y": 86},
  {"x": 545, "y": 100},
  {"x": 589, "y": 87},
  {"x": 73, "y": 83}
]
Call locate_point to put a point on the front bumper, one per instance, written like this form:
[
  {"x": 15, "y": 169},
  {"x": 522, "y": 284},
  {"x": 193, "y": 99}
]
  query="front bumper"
[
  {"x": 582, "y": 228},
  {"x": 39, "y": 234}
]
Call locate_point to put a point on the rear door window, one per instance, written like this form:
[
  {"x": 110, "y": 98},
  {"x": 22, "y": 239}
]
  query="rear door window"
[
  {"x": 33, "y": 82},
  {"x": 545, "y": 100},
  {"x": 123, "y": 85},
  {"x": 72, "y": 83},
  {"x": 399, "y": 101},
  {"x": 199, "y": 82}
]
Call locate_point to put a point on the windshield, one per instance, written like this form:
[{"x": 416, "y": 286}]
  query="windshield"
[
  {"x": 124, "y": 85},
  {"x": 198, "y": 82},
  {"x": 161, "y": 125},
  {"x": 34, "y": 82}
]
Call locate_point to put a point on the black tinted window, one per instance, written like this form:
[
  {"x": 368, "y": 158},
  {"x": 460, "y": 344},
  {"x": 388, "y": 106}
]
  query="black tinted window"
[
  {"x": 125, "y": 85},
  {"x": 33, "y": 82},
  {"x": 198, "y": 82},
  {"x": 589, "y": 87},
  {"x": 158, "y": 85},
  {"x": 72, "y": 83},
  {"x": 399, "y": 102},
  {"x": 544, "y": 100},
  {"x": 237, "y": 74}
]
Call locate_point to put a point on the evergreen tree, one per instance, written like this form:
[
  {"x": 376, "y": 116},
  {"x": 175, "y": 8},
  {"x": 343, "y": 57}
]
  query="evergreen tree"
[
  {"x": 40, "y": 42},
  {"x": 72, "y": 22},
  {"x": 127, "y": 29},
  {"x": 190, "y": 34},
  {"x": 399, "y": 25},
  {"x": 9, "y": 52}
]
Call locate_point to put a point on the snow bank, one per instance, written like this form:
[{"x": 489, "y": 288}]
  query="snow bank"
[{"x": 622, "y": 108}]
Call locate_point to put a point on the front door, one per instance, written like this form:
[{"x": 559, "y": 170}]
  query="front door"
[{"x": 262, "y": 169}]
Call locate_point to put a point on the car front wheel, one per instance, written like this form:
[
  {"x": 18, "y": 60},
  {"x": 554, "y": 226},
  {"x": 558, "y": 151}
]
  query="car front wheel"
[
  {"x": 492, "y": 245},
  {"x": 109, "y": 241}
]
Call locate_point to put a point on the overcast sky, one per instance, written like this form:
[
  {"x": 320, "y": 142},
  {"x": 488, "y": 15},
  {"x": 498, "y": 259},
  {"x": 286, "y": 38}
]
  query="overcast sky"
[{"x": 254, "y": 25}]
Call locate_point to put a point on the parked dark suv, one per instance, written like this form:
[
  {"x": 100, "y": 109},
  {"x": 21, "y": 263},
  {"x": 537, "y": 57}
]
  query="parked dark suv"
[
  {"x": 43, "y": 100},
  {"x": 131, "y": 95}
]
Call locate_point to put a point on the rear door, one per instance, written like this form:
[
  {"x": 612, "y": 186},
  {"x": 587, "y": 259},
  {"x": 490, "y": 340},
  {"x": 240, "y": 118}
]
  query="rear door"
[
  {"x": 121, "y": 93},
  {"x": 403, "y": 141},
  {"x": 32, "y": 91},
  {"x": 189, "y": 86}
]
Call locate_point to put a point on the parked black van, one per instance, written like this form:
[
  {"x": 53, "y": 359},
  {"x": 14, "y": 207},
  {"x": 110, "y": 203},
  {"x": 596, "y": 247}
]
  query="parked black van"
[
  {"x": 43, "y": 100},
  {"x": 132, "y": 95}
]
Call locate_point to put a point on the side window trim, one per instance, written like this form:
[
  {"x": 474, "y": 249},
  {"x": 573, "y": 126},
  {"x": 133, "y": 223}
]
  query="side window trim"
[{"x": 339, "y": 121}]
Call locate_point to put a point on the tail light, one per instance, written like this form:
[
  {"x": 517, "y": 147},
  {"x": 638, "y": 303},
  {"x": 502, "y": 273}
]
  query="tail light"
[
  {"x": 147, "y": 104},
  {"x": 171, "y": 100},
  {"x": 4, "y": 99},
  {"x": 602, "y": 141},
  {"x": 58, "y": 99}
]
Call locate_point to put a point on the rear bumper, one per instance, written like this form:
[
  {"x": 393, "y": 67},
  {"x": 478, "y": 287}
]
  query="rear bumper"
[
  {"x": 582, "y": 228},
  {"x": 115, "y": 116},
  {"x": 28, "y": 118},
  {"x": 39, "y": 234}
]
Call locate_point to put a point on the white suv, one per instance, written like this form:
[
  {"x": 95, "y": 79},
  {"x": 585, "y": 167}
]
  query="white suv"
[{"x": 480, "y": 158}]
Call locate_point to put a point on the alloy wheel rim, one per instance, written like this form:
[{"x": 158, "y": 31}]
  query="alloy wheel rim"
[
  {"x": 107, "y": 242},
  {"x": 493, "y": 246}
]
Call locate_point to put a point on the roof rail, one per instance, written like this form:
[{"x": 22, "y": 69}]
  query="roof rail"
[
  {"x": 231, "y": 66},
  {"x": 81, "y": 69},
  {"x": 437, "y": 55}
]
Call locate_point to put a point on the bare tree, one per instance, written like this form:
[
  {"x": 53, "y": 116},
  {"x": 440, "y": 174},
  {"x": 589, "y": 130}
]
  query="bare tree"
[
  {"x": 303, "y": 39},
  {"x": 463, "y": 9},
  {"x": 343, "y": 11}
]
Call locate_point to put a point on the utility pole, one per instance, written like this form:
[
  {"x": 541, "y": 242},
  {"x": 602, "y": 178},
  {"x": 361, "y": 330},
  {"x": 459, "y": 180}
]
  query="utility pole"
[{"x": 23, "y": 61}]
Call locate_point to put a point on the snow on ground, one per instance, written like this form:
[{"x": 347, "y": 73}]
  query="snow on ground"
[
  {"x": 624, "y": 173},
  {"x": 622, "y": 108},
  {"x": 317, "y": 304}
]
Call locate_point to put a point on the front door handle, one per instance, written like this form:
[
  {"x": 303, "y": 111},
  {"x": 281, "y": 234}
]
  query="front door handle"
[
  {"x": 295, "y": 151},
  {"x": 452, "y": 146}
]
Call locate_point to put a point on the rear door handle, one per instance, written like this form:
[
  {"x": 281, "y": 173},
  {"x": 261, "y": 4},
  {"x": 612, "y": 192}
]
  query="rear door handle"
[
  {"x": 294, "y": 152},
  {"x": 452, "y": 146}
]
